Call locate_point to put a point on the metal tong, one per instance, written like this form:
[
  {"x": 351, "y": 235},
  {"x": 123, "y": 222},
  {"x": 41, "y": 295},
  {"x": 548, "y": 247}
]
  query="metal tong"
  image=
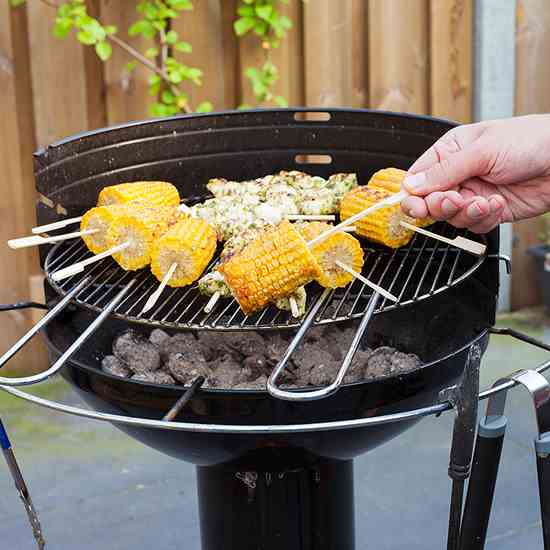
[
  {"x": 276, "y": 391},
  {"x": 487, "y": 458}
]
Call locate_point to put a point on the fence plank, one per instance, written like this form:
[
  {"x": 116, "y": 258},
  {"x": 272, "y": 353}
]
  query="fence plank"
[
  {"x": 202, "y": 28},
  {"x": 231, "y": 64},
  {"x": 287, "y": 58},
  {"x": 451, "y": 39},
  {"x": 532, "y": 95},
  {"x": 17, "y": 204},
  {"x": 398, "y": 55},
  {"x": 127, "y": 94},
  {"x": 59, "y": 78},
  {"x": 335, "y": 38}
]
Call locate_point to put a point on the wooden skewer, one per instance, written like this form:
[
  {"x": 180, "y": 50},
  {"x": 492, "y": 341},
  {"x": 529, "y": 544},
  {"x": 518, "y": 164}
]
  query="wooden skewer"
[
  {"x": 360, "y": 277},
  {"x": 460, "y": 242},
  {"x": 311, "y": 218},
  {"x": 294, "y": 307},
  {"x": 212, "y": 302},
  {"x": 35, "y": 240},
  {"x": 389, "y": 201},
  {"x": 79, "y": 266},
  {"x": 156, "y": 295},
  {"x": 55, "y": 225}
]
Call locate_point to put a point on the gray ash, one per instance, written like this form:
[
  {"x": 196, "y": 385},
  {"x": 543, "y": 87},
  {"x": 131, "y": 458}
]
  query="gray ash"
[{"x": 245, "y": 360}]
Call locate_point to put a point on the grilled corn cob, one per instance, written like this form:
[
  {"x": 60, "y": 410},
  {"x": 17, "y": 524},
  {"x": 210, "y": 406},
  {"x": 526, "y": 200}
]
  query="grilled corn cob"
[
  {"x": 160, "y": 193},
  {"x": 100, "y": 219},
  {"x": 272, "y": 266},
  {"x": 390, "y": 179},
  {"x": 139, "y": 224},
  {"x": 382, "y": 226},
  {"x": 190, "y": 243},
  {"x": 341, "y": 247}
]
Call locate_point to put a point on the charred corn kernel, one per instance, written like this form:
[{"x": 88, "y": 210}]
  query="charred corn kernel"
[
  {"x": 190, "y": 243},
  {"x": 382, "y": 226},
  {"x": 270, "y": 267},
  {"x": 160, "y": 193},
  {"x": 390, "y": 179},
  {"x": 341, "y": 247},
  {"x": 100, "y": 219},
  {"x": 139, "y": 224}
]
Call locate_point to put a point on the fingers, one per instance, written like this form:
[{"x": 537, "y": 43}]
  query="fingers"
[
  {"x": 450, "y": 171},
  {"x": 476, "y": 213}
]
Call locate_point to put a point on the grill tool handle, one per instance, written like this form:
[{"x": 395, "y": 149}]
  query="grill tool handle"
[
  {"x": 481, "y": 487},
  {"x": 275, "y": 391}
]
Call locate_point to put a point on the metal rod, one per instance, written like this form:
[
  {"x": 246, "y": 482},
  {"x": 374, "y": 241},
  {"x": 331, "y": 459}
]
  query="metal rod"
[
  {"x": 94, "y": 325},
  {"x": 43, "y": 322},
  {"x": 457, "y": 496},
  {"x": 272, "y": 387},
  {"x": 184, "y": 399},
  {"x": 21, "y": 487}
]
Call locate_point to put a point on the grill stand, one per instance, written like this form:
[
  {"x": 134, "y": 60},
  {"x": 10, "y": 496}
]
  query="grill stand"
[{"x": 288, "y": 501}]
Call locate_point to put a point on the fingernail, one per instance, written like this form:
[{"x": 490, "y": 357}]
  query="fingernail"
[
  {"x": 448, "y": 207},
  {"x": 474, "y": 211},
  {"x": 414, "y": 213},
  {"x": 415, "y": 182}
]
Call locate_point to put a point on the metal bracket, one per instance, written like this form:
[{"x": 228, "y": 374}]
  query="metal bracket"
[{"x": 503, "y": 258}]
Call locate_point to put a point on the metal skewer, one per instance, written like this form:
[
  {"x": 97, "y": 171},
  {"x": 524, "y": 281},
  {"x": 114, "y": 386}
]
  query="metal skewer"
[
  {"x": 21, "y": 486},
  {"x": 364, "y": 280},
  {"x": 184, "y": 399}
]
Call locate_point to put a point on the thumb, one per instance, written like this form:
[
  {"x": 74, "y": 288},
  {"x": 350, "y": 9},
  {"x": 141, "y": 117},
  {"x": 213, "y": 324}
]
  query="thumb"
[{"x": 449, "y": 172}]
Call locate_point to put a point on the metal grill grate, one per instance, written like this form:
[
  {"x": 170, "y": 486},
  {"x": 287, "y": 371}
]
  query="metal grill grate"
[{"x": 423, "y": 268}]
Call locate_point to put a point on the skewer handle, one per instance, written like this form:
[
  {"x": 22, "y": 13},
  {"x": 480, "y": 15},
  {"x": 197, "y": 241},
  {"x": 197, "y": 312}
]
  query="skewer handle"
[
  {"x": 212, "y": 302},
  {"x": 294, "y": 307},
  {"x": 79, "y": 266},
  {"x": 311, "y": 218},
  {"x": 156, "y": 295},
  {"x": 36, "y": 240},
  {"x": 55, "y": 225},
  {"x": 460, "y": 242}
]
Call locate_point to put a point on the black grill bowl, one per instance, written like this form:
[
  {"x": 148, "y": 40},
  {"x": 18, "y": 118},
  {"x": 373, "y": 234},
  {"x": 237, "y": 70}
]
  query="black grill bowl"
[{"x": 271, "y": 490}]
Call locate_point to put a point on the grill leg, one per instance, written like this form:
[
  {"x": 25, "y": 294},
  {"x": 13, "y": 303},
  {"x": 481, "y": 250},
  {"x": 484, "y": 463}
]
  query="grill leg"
[{"x": 306, "y": 507}]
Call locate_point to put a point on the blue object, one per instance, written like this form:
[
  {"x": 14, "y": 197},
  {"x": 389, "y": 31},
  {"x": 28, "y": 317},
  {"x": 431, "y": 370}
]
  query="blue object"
[{"x": 4, "y": 439}]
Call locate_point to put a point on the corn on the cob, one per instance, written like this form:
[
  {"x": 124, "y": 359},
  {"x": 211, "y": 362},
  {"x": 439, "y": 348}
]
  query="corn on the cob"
[
  {"x": 160, "y": 193},
  {"x": 272, "y": 266},
  {"x": 140, "y": 225},
  {"x": 341, "y": 247},
  {"x": 190, "y": 243},
  {"x": 100, "y": 219},
  {"x": 382, "y": 226},
  {"x": 390, "y": 179}
]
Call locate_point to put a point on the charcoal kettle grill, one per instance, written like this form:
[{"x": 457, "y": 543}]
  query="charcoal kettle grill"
[{"x": 272, "y": 472}]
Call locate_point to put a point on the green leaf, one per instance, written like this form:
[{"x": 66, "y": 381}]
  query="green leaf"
[
  {"x": 204, "y": 107},
  {"x": 167, "y": 97},
  {"x": 281, "y": 101},
  {"x": 157, "y": 109},
  {"x": 159, "y": 25},
  {"x": 243, "y": 25},
  {"x": 264, "y": 12},
  {"x": 175, "y": 77},
  {"x": 137, "y": 27},
  {"x": 194, "y": 75},
  {"x": 110, "y": 29},
  {"x": 244, "y": 106},
  {"x": 131, "y": 65},
  {"x": 94, "y": 28},
  {"x": 62, "y": 27},
  {"x": 246, "y": 11},
  {"x": 285, "y": 22},
  {"x": 260, "y": 28},
  {"x": 171, "y": 37},
  {"x": 86, "y": 38},
  {"x": 64, "y": 10},
  {"x": 15, "y": 3},
  {"x": 184, "y": 47},
  {"x": 103, "y": 50},
  {"x": 151, "y": 52},
  {"x": 180, "y": 4}
]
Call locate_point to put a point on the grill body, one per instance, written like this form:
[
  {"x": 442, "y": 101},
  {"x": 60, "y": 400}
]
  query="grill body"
[{"x": 310, "y": 505}]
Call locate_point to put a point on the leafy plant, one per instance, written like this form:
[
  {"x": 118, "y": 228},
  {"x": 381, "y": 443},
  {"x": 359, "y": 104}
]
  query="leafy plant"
[
  {"x": 262, "y": 18},
  {"x": 154, "y": 24},
  {"x": 544, "y": 233}
]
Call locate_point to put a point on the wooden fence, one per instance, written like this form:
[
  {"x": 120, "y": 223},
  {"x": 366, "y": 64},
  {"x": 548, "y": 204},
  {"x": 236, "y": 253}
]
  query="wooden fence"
[{"x": 403, "y": 55}]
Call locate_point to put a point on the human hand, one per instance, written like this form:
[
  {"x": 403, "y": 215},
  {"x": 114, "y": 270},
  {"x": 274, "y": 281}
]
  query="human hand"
[{"x": 480, "y": 175}]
